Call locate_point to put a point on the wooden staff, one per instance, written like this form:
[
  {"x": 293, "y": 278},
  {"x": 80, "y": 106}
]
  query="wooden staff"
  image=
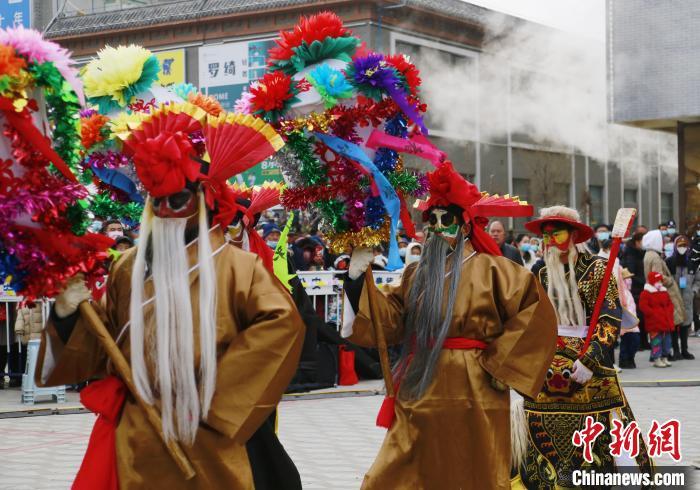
[
  {"x": 379, "y": 333},
  {"x": 124, "y": 370}
]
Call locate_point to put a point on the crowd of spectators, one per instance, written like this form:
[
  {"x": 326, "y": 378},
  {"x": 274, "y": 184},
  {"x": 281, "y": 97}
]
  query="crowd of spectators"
[{"x": 662, "y": 250}]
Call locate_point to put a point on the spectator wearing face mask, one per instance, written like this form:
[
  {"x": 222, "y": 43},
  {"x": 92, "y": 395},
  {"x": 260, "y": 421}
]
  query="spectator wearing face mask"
[
  {"x": 112, "y": 228},
  {"x": 527, "y": 250},
  {"x": 602, "y": 233},
  {"x": 680, "y": 267},
  {"x": 271, "y": 234},
  {"x": 413, "y": 252},
  {"x": 695, "y": 267},
  {"x": 403, "y": 244},
  {"x": 633, "y": 260},
  {"x": 653, "y": 262}
]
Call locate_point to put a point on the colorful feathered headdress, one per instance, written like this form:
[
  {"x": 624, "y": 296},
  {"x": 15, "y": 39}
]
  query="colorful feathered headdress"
[
  {"x": 181, "y": 143},
  {"x": 446, "y": 187}
]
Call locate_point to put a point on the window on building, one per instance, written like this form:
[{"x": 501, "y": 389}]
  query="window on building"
[
  {"x": 521, "y": 189},
  {"x": 596, "y": 203},
  {"x": 631, "y": 198},
  {"x": 666, "y": 206}
]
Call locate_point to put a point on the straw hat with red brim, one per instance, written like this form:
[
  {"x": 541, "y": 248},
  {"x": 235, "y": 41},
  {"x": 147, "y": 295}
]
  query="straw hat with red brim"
[{"x": 561, "y": 214}]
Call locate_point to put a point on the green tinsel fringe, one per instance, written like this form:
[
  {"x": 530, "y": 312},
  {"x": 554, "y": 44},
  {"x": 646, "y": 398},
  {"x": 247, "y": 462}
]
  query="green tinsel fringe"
[
  {"x": 103, "y": 206},
  {"x": 63, "y": 111},
  {"x": 332, "y": 212},
  {"x": 404, "y": 181},
  {"x": 311, "y": 170}
]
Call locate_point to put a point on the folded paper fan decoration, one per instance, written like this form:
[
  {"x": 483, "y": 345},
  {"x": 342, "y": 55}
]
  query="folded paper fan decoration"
[
  {"x": 502, "y": 206},
  {"x": 237, "y": 142},
  {"x": 265, "y": 197}
]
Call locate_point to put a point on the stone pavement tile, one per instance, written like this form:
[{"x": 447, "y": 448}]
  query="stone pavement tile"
[
  {"x": 681, "y": 370},
  {"x": 333, "y": 441}
]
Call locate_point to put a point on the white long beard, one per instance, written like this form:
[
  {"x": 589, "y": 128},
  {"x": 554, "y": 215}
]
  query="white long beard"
[
  {"x": 562, "y": 292},
  {"x": 171, "y": 349}
]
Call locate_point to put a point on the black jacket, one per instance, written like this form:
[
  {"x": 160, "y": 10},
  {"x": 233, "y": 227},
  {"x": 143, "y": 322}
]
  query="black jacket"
[
  {"x": 633, "y": 260},
  {"x": 512, "y": 253}
]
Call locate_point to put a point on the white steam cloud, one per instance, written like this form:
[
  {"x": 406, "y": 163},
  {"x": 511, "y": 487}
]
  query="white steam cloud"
[{"x": 548, "y": 88}]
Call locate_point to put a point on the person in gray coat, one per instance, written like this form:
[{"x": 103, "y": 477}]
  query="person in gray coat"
[{"x": 680, "y": 267}]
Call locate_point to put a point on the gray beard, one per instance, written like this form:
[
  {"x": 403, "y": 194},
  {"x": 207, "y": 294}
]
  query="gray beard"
[{"x": 426, "y": 324}]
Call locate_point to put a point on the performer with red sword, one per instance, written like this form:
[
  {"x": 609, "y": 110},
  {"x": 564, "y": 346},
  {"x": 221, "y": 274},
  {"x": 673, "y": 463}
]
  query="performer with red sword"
[{"x": 581, "y": 380}]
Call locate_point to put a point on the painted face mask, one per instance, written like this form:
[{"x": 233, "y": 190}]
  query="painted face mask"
[
  {"x": 556, "y": 236},
  {"x": 444, "y": 223},
  {"x": 182, "y": 204}
]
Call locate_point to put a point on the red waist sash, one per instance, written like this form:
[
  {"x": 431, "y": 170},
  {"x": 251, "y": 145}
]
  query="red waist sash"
[
  {"x": 98, "y": 471},
  {"x": 387, "y": 412}
]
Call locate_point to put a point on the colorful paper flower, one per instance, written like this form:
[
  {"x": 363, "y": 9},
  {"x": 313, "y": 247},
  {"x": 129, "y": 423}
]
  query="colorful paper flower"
[
  {"x": 92, "y": 130},
  {"x": 315, "y": 38},
  {"x": 206, "y": 102},
  {"x": 273, "y": 94},
  {"x": 330, "y": 84},
  {"x": 118, "y": 74},
  {"x": 164, "y": 163}
]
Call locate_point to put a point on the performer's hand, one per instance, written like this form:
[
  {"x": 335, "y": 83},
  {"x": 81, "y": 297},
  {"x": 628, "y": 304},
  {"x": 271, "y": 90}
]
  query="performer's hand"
[
  {"x": 359, "y": 261},
  {"x": 580, "y": 373},
  {"x": 75, "y": 293},
  {"x": 498, "y": 385}
]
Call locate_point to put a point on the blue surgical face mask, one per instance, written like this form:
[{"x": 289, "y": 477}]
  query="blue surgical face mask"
[
  {"x": 671, "y": 231},
  {"x": 602, "y": 235},
  {"x": 664, "y": 232},
  {"x": 525, "y": 247},
  {"x": 697, "y": 233},
  {"x": 668, "y": 249},
  {"x": 272, "y": 244},
  {"x": 402, "y": 252}
]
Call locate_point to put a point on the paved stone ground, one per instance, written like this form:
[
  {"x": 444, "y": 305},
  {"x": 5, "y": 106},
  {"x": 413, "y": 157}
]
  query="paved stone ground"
[{"x": 333, "y": 441}]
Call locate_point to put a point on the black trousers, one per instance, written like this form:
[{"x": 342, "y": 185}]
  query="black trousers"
[
  {"x": 13, "y": 363},
  {"x": 272, "y": 467}
]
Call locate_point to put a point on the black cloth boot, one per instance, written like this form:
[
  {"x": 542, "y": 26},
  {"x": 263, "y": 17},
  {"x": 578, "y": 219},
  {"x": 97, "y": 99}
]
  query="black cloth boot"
[{"x": 685, "y": 331}]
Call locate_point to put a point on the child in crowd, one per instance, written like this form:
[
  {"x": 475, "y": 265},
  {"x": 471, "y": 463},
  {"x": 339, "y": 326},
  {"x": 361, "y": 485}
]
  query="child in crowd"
[{"x": 655, "y": 303}]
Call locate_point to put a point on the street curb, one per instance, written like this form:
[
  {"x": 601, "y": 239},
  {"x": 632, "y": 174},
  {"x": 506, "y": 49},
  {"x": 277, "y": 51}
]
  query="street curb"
[
  {"x": 293, "y": 397},
  {"x": 663, "y": 383},
  {"x": 39, "y": 412}
]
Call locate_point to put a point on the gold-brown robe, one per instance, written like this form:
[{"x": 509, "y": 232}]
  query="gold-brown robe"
[
  {"x": 259, "y": 338},
  {"x": 457, "y": 436}
]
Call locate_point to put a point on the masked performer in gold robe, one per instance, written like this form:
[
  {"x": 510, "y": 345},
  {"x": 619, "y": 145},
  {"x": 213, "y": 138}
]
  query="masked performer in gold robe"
[
  {"x": 470, "y": 323},
  {"x": 212, "y": 337},
  {"x": 576, "y": 385}
]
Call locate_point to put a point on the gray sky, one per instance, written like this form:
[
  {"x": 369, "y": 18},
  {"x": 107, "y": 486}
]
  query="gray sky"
[{"x": 584, "y": 17}]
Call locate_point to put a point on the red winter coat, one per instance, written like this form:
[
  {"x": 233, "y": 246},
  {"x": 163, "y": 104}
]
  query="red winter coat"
[{"x": 657, "y": 308}]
